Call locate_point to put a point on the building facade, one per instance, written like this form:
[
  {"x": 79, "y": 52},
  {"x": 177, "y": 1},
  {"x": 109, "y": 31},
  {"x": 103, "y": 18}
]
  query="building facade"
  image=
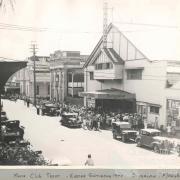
[
  {"x": 132, "y": 64},
  {"x": 67, "y": 75},
  {"x": 42, "y": 78},
  {"x": 13, "y": 85}
]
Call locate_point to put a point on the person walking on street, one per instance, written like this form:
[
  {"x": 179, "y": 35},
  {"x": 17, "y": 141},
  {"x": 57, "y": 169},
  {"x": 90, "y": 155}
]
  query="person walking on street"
[
  {"x": 28, "y": 102},
  {"x": 169, "y": 130},
  {"x": 89, "y": 161}
]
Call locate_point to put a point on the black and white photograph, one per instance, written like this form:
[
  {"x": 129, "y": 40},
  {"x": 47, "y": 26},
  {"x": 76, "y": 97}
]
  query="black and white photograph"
[{"x": 90, "y": 84}]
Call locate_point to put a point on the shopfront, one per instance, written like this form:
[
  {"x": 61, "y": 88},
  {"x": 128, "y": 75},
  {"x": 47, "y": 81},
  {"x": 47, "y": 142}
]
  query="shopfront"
[
  {"x": 111, "y": 100},
  {"x": 173, "y": 113}
]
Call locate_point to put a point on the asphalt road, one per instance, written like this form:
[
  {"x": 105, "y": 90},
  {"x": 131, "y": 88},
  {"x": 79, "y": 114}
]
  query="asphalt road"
[{"x": 71, "y": 146}]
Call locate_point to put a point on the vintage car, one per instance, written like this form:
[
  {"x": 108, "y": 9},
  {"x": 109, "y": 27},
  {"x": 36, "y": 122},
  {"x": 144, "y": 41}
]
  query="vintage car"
[
  {"x": 123, "y": 130},
  {"x": 21, "y": 143},
  {"x": 3, "y": 116},
  {"x": 151, "y": 138},
  {"x": 70, "y": 120},
  {"x": 12, "y": 131},
  {"x": 50, "y": 109}
]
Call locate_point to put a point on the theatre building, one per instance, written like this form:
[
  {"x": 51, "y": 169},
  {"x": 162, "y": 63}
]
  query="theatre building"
[{"x": 135, "y": 72}]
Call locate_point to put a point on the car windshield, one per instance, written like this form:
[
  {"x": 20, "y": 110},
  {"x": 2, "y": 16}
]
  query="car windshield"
[
  {"x": 155, "y": 133},
  {"x": 125, "y": 126},
  {"x": 71, "y": 116},
  {"x": 3, "y": 113}
]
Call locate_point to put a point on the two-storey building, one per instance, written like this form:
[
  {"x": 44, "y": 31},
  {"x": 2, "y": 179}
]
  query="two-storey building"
[
  {"x": 135, "y": 72},
  {"x": 42, "y": 74},
  {"x": 67, "y": 75}
]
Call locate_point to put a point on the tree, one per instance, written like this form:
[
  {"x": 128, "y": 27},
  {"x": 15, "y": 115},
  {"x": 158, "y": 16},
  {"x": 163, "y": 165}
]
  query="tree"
[{"x": 5, "y": 3}]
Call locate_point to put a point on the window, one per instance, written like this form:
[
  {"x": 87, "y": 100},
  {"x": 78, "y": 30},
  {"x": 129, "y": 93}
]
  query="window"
[
  {"x": 91, "y": 75},
  {"x": 134, "y": 74},
  {"x": 154, "y": 109},
  {"x": 100, "y": 66},
  {"x": 57, "y": 77},
  {"x": 37, "y": 89},
  {"x": 141, "y": 109}
]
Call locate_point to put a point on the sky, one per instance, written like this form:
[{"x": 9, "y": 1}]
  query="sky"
[{"x": 74, "y": 24}]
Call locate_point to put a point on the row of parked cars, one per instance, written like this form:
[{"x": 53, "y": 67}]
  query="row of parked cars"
[
  {"x": 121, "y": 130},
  {"x": 11, "y": 129},
  {"x": 14, "y": 149},
  {"x": 150, "y": 138}
]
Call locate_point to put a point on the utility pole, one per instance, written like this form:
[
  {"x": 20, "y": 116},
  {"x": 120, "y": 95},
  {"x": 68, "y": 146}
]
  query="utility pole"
[{"x": 34, "y": 48}]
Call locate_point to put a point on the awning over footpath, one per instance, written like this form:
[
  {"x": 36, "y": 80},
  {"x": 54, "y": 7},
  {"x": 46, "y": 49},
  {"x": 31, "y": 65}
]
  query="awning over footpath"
[
  {"x": 108, "y": 94},
  {"x": 8, "y": 68}
]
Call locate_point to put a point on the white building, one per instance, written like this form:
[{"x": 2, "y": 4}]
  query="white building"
[
  {"x": 141, "y": 63},
  {"x": 42, "y": 78},
  {"x": 67, "y": 75}
]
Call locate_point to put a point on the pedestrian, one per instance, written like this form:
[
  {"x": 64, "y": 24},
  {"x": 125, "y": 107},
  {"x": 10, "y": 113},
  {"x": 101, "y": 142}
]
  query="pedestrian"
[
  {"x": 27, "y": 102},
  {"x": 38, "y": 109},
  {"x": 89, "y": 161},
  {"x": 169, "y": 130}
]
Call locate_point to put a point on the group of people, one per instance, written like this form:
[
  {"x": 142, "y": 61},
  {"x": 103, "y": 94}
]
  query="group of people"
[{"x": 93, "y": 119}]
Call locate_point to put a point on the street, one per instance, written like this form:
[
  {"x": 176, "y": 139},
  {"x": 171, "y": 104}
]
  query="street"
[{"x": 71, "y": 146}]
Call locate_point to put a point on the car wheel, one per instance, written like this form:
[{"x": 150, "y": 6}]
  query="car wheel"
[
  {"x": 138, "y": 143},
  {"x": 123, "y": 138},
  {"x": 156, "y": 149}
]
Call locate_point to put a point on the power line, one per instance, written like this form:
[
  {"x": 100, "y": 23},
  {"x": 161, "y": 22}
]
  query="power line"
[{"x": 14, "y": 27}]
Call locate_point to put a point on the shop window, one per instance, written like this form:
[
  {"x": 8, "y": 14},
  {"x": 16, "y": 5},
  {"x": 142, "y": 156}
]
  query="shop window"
[
  {"x": 91, "y": 75},
  {"x": 134, "y": 74},
  {"x": 141, "y": 109},
  {"x": 154, "y": 109}
]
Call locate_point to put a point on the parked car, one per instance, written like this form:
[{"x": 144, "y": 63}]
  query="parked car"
[
  {"x": 21, "y": 143},
  {"x": 70, "y": 120},
  {"x": 123, "y": 130},
  {"x": 151, "y": 138},
  {"x": 3, "y": 116},
  {"x": 50, "y": 109},
  {"x": 12, "y": 130}
]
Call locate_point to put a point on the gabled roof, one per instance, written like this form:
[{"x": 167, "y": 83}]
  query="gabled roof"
[
  {"x": 96, "y": 47},
  {"x": 155, "y": 42},
  {"x": 111, "y": 54}
]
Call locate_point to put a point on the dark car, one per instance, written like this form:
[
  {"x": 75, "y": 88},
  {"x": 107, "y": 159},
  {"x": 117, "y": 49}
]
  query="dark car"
[
  {"x": 21, "y": 143},
  {"x": 70, "y": 120},
  {"x": 151, "y": 138},
  {"x": 50, "y": 110},
  {"x": 12, "y": 131},
  {"x": 123, "y": 130},
  {"x": 3, "y": 116}
]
